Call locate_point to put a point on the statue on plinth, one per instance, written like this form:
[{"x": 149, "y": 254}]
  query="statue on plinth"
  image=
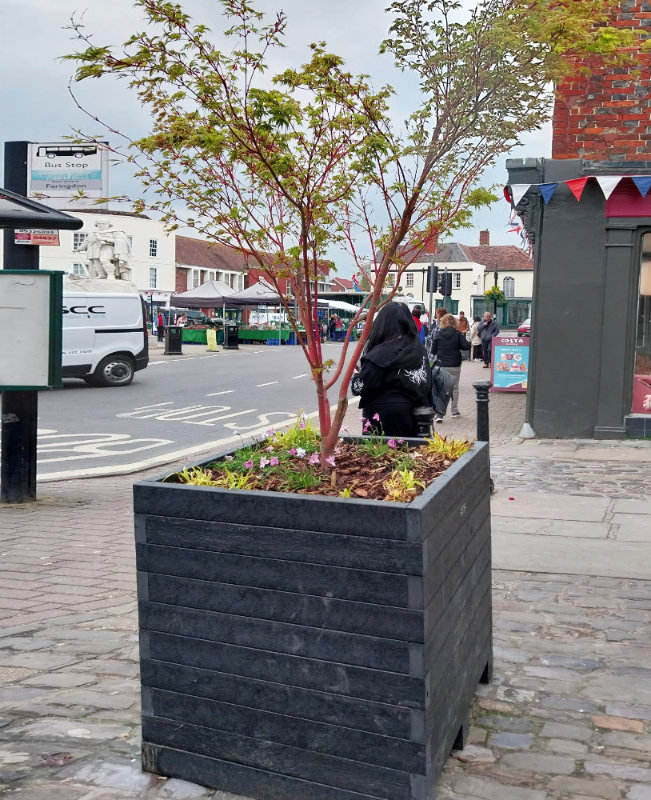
[{"x": 108, "y": 252}]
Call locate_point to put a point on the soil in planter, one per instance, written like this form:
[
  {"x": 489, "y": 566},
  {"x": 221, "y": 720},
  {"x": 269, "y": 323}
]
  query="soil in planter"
[{"x": 398, "y": 474}]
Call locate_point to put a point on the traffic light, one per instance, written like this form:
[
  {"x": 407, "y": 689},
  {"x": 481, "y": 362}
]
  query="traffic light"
[
  {"x": 446, "y": 284},
  {"x": 432, "y": 278}
]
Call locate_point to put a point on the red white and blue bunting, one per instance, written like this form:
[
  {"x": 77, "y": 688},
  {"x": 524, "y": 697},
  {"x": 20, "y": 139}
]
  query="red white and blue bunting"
[{"x": 514, "y": 192}]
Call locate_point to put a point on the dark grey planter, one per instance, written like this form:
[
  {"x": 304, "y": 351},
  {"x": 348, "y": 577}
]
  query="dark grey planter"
[{"x": 312, "y": 648}]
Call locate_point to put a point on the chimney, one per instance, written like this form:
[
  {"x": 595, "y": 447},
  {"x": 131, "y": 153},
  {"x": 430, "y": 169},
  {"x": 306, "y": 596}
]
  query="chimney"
[
  {"x": 601, "y": 113},
  {"x": 484, "y": 237}
]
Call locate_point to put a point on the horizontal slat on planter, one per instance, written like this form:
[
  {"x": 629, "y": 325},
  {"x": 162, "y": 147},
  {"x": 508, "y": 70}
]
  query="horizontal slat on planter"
[
  {"x": 346, "y": 648},
  {"x": 356, "y": 552},
  {"x": 340, "y": 679},
  {"x": 317, "y": 612},
  {"x": 288, "y": 576},
  {"x": 237, "y": 779},
  {"x": 334, "y": 740},
  {"x": 291, "y": 761},
  {"x": 266, "y": 695}
]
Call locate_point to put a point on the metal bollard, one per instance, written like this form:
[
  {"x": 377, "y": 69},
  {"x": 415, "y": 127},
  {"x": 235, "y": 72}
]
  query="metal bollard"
[{"x": 482, "y": 388}]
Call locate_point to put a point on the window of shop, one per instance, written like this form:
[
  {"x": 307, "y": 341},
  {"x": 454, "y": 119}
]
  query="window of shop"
[
  {"x": 456, "y": 280},
  {"x": 410, "y": 279},
  {"x": 642, "y": 378},
  {"x": 153, "y": 248},
  {"x": 153, "y": 277},
  {"x": 77, "y": 240},
  {"x": 509, "y": 287}
]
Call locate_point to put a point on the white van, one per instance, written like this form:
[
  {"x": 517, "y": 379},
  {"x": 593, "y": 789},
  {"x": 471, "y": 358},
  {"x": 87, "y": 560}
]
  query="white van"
[{"x": 105, "y": 338}]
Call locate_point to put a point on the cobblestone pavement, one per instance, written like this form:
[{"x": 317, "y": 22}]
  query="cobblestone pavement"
[{"x": 567, "y": 716}]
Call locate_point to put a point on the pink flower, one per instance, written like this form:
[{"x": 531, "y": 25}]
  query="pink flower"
[
  {"x": 292, "y": 451},
  {"x": 391, "y": 442},
  {"x": 401, "y": 441},
  {"x": 367, "y": 425},
  {"x": 314, "y": 458},
  {"x": 302, "y": 425},
  {"x": 263, "y": 462},
  {"x": 249, "y": 464},
  {"x": 270, "y": 449},
  {"x": 271, "y": 432},
  {"x": 330, "y": 460},
  {"x": 376, "y": 417},
  {"x": 273, "y": 461}
]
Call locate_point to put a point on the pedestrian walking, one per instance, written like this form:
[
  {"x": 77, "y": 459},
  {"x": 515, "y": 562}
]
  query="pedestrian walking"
[
  {"x": 447, "y": 345},
  {"x": 462, "y": 324},
  {"x": 475, "y": 341},
  {"x": 486, "y": 330},
  {"x": 160, "y": 327}
]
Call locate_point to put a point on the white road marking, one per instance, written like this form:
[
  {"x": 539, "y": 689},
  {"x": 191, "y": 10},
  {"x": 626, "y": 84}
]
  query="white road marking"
[
  {"x": 259, "y": 385},
  {"x": 216, "y": 394},
  {"x": 302, "y": 375}
]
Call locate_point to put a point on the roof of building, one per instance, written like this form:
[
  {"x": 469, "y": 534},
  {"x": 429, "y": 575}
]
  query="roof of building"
[
  {"x": 492, "y": 257},
  {"x": 210, "y": 255},
  {"x": 344, "y": 283}
]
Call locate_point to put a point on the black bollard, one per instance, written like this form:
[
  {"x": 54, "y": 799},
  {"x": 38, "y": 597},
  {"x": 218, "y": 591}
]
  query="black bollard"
[{"x": 482, "y": 388}]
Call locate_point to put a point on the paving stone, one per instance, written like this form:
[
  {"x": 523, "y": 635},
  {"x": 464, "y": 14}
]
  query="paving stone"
[
  {"x": 539, "y": 763},
  {"x": 640, "y": 792},
  {"x": 628, "y": 741},
  {"x": 58, "y": 680},
  {"x": 583, "y": 664},
  {"x": 635, "y": 712},
  {"x": 489, "y": 790},
  {"x": 618, "y": 724},
  {"x": 472, "y": 754},
  {"x": 511, "y": 741},
  {"x": 567, "y": 747},
  {"x": 498, "y": 722},
  {"x": 618, "y": 770},
  {"x": 36, "y": 661},
  {"x": 605, "y": 790},
  {"x": 14, "y": 674},
  {"x": 558, "y": 730},
  {"x": 62, "y": 729},
  {"x": 124, "y": 774},
  {"x": 94, "y": 699},
  {"x": 569, "y": 704}
]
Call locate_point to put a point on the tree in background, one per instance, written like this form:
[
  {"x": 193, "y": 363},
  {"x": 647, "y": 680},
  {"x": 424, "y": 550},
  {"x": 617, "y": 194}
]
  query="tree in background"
[{"x": 286, "y": 166}]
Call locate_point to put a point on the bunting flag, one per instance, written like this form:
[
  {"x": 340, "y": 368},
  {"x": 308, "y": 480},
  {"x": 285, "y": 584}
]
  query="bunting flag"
[
  {"x": 643, "y": 183},
  {"x": 514, "y": 192},
  {"x": 608, "y": 184},
  {"x": 356, "y": 286},
  {"x": 576, "y": 186},
  {"x": 547, "y": 191}
]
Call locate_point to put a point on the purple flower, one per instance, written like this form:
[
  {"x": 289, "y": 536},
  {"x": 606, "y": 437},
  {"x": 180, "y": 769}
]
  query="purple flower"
[
  {"x": 314, "y": 458},
  {"x": 292, "y": 451},
  {"x": 330, "y": 460},
  {"x": 302, "y": 425},
  {"x": 273, "y": 461},
  {"x": 391, "y": 442},
  {"x": 263, "y": 462},
  {"x": 248, "y": 464}
]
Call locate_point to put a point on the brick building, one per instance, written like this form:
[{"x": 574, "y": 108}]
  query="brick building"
[{"x": 587, "y": 211}]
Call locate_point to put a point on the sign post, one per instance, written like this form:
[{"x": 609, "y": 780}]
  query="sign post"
[
  {"x": 20, "y": 405},
  {"x": 510, "y": 363}
]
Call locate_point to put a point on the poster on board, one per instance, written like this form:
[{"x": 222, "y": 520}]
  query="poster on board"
[{"x": 510, "y": 363}]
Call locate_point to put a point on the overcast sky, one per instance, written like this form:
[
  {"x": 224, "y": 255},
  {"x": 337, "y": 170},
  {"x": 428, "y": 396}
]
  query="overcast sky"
[{"x": 35, "y": 104}]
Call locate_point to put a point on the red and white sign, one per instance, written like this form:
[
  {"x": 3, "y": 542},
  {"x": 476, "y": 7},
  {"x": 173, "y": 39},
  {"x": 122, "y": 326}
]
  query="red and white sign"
[{"x": 36, "y": 236}]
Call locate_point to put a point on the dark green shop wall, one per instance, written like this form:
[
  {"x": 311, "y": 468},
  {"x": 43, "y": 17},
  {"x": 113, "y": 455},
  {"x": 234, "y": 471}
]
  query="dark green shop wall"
[{"x": 569, "y": 308}]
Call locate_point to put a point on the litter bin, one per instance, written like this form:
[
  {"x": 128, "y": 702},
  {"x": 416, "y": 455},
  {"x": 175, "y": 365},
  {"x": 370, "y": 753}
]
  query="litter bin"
[
  {"x": 231, "y": 333},
  {"x": 173, "y": 340}
]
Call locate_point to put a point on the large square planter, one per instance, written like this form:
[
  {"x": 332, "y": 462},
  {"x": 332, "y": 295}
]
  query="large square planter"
[{"x": 312, "y": 648}]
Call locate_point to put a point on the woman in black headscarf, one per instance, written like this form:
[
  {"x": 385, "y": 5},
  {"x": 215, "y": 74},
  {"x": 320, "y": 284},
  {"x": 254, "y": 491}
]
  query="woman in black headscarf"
[{"x": 395, "y": 375}]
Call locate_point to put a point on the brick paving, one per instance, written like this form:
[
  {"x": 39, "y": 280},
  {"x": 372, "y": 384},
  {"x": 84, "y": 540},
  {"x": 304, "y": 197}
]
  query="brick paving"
[{"x": 567, "y": 716}]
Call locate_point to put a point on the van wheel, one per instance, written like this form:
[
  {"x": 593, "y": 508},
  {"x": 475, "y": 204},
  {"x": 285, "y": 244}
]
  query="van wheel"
[{"x": 113, "y": 371}]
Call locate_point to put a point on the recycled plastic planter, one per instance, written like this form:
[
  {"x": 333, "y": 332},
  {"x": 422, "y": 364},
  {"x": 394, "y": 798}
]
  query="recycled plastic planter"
[{"x": 312, "y": 648}]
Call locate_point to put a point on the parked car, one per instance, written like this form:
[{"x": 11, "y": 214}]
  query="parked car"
[{"x": 524, "y": 328}]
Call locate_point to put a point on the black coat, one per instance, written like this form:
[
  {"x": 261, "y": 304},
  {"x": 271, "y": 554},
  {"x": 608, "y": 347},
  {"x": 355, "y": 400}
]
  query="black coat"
[
  {"x": 447, "y": 344},
  {"x": 487, "y": 330},
  {"x": 395, "y": 378}
]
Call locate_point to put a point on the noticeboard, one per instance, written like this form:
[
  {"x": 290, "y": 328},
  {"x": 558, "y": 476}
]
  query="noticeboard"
[
  {"x": 510, "y": 363},
  {"x": 30, "y": 329}
]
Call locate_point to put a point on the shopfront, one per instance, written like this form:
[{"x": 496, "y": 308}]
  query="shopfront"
[{"x": 590, "y": 359}]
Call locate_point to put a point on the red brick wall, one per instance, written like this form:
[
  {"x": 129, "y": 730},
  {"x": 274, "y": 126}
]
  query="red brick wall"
[
  {"x": 181, "y": 280},
  {"x": 606, "y": 115}
]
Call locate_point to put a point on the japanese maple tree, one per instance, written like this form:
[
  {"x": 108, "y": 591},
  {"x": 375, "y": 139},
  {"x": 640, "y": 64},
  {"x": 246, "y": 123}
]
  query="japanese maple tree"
[{"x": 287, "y": 166}]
